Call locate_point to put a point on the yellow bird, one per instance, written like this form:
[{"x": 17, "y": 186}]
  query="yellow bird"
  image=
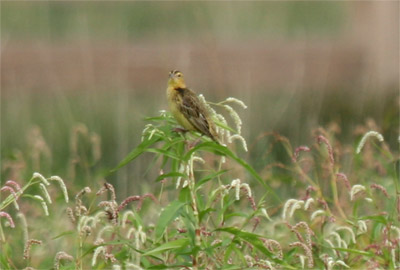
[{"x": 186, "y": 107}]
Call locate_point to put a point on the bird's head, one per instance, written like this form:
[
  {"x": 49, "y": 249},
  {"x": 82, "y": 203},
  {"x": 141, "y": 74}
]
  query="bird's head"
[{"x": 176, "y": 79}]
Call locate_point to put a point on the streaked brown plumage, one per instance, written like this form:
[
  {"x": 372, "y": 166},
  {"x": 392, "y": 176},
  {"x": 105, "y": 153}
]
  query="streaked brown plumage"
[{"x": 186, "y": 107}]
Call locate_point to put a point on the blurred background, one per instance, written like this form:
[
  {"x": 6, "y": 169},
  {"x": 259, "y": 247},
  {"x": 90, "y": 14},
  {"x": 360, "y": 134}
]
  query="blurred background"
[{"x": 78, "y": 78}]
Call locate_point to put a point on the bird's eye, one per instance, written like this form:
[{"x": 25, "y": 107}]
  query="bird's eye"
[{"x": 179, "y": 75}]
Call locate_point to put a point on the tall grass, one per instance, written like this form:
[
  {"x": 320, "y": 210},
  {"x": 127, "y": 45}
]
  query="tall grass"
[{"x": 326, "y": 206}]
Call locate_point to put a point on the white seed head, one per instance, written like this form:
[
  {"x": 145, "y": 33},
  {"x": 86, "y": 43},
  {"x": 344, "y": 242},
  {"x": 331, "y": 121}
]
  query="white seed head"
[
  {"x": 62, "y": 186},
  {"x": 265, "y": 213},
  {"x": 41, "y": 178},
  {"x": 317, "y": 213},
  {"x": 291, "y": 206},
  {"x": 125, "y": 217},
  {"x": 97, "y": 252},
  {"x": 370, "y": 200},
  {"x": 247, "y": 188},
  {"x": 362, "y": 227},
  {"x": 240, "y": 138},
  {"x": 348, "y": 229},
  {"x": 185, "y": 183},
  {"x": 393, "y": 257},
  {"x": 236, "y": 101},
  {"x": 366, "y": 136},
  {"x": 130, "y": 232},
  {"x": 329, "y": 242},
  {"x": 43, "y": 203},
  {"x": 356, "y": 189},
  {"x": 45, "y": 193},
  {"x": 235, "y": 116},
  {"x": 337, "y": 237},
  {"x": 308, "y": 203},
  {"x": 198, "y": 159},
  {"x": 103, "y": 230}
]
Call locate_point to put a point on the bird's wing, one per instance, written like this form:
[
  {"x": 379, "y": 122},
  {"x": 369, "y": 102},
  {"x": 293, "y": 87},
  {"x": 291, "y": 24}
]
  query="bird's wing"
[{"x": 195, "y": 112}]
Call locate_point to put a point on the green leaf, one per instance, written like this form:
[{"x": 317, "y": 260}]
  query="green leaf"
[
  {"x": 379, "y": 219},
  {"x": 208, "y": 178},
  {"x": 213, "y": 146},
  {"x": 142, "y": 147},
  {"x": 176, "y": 244},
  {"x": 171, "y": 174},
  {"x": 167, "y": 215},
  {"x": 167, "y": 153},
  {"x": 62, "y": 234},
  {"x": 254, "y": 240},
  {"x": 356, "y": 251}
]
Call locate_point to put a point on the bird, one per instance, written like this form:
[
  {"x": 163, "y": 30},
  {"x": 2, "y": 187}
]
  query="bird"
[{"x": 187, "y": 108}]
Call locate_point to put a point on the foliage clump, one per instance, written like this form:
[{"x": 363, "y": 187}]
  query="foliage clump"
[{"x": 213, "y": 210}]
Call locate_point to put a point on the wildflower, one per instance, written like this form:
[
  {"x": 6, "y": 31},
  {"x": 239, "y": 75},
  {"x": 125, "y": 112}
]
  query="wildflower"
[
  {"x": 274, "y": 245},
  {"x": 103, "y": 230},
  {"x": 236, "y": 101},
  {"x": 330, "y": 262},
  {"x": 308, "y": 203},
  {"x": 70, "y": 214},
  {"x": 316, "y": 213},
  {"x": 96, "y": 253},
  {"x": 265, "y": 263},
  {"x": 356, "y": 189},
  {"x": 264, "y": 211},
  {"x": 108, "y": 187},
  {"x": 41, "y": 178},
  {"x": 14, "y": 184},
  {"x": 43, "y": 203},
  {"x": 198, "y": 159},
  {"x": 298, "y": 150},
  {"x": 11, "y": 190},
  {"x": 337, "y": 237},
  {"x": 362, "y": 227},
  {"x": 345, "y": 180},
  {"x": 291, "y": 205},
  {"x": 235, "y": 117},
  {"x": 240, "y": 138},
  {"x": 320, "y": 139},
  {"x": 381, "y": 188},
  {"x": 125, "y": 217},
  {"x": 62, "y": 186},
  {"x": 308, "y": 232},
  {"x": 8, "y": 217},
  {"x": 366, "y": 136},
  {"x": 307, "y": 252},
  {"x": 45, "y": 193},
  {"x": 28, "y": 245},
  {"x": 348, "y": 229},
  {"x": 61, "y": 255}
]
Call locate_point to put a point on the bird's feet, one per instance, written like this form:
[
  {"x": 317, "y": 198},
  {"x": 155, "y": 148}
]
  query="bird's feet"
[{"x": 180, "y": 130}]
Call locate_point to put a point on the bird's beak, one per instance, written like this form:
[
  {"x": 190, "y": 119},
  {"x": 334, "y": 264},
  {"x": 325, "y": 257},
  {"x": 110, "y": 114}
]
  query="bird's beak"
[{"x": 171, "y": 75}]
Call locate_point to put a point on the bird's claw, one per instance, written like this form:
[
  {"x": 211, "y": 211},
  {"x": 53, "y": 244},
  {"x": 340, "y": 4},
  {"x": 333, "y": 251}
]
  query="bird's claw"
[{"x": 180, "y": 130}]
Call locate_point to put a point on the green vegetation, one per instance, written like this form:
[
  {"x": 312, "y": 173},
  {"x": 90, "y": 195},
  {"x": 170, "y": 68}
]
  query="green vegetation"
[
  {"x": 141, "y": 19},
  {"x": 326, "y": 205}
]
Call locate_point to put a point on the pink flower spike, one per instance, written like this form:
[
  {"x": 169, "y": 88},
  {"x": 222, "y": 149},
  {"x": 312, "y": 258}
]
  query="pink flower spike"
[
  {"x": 381, "y": 188},
  {"x": 345, "y": 180},
  {"x": 14, "y": 184},
  {"x": 9, "y": 189},
  {"x": 298, "y": 150},
  {"x": 9, "y": 218},
  {"x": 320, "y": 139}
]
